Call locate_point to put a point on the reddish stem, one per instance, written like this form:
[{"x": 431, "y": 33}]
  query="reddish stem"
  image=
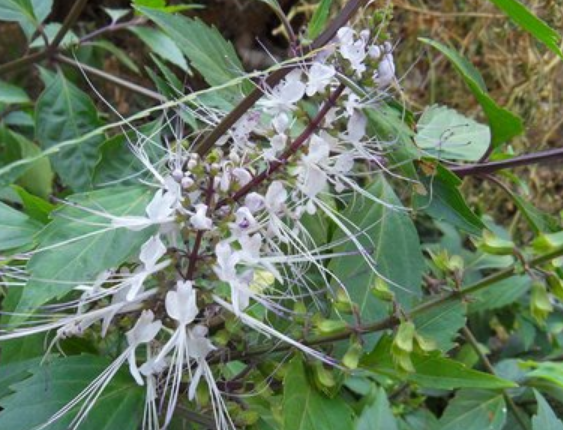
[{"x": 291, "y": 150}]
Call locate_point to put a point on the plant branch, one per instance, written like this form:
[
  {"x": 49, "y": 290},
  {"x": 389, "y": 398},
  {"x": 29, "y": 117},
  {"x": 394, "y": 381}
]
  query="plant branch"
[
  {"x": 340, "y": 20},
  {"x": 392, "y": 321},
  {"x": 550, "y": 155},
  {"x": 110, "y": 78},
  {"x": 291, "y": 150},
  {"x": 470, "y": 338},
  {"x": 69, "y": 21},
  {"x": 111, "y": 28}
]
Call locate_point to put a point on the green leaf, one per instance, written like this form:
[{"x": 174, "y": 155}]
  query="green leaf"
[
  {"x": 539, "y": 221},
  {"x": 444, "y": 202},
  {"x": 531, "y": 23},
  {"x": 208, "y": 52},
  {"x": 16, "y": 229},
  {"x": 504, "y": 124},
  {"x": 36, "y": 176},
  {"x": 431, "y": 370},
  {"x": 442, "y": 324},
  {"x": 390, "y": 236},
  {"x": 17, "y": 11},
  {"x": 378, "y": 414},
  {"x": 445, "y": 133},
  {"x": 37, "y": 208},
  {"x": 64, "y": 112},
  {"x": 319, "y": 18},
  {"x": 14, "y": 372},
  {"x": 549, "y": 371},
  {"x": 388, "y": 124},
  {"x": 475, "y": 410},
  {"x": 117, "y": 164},
  {"x": 306, "y": 409},
  {"x": 161, "y": 45},
  {"x": 500, "y": 294},
  {"x": 545, "y": 419},
  {"x": 28, "y": 13},
  {"x": 11, "y": 94},
  {"x": 82, "y": 247},
  {"x": 119, "y": 407}
]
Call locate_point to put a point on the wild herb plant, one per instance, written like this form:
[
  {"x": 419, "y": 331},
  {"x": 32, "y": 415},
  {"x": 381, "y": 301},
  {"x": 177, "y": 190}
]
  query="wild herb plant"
[{"x": 282, "y": 249}]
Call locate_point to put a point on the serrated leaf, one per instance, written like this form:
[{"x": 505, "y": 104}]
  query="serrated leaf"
[
  {"x": 442, "y": 324},
  {"x": 88, "y": 249},
  {"x": 64, "y": 112},
  {"x": 531, "y": 23},
  {"x": 306, "y": 409},
  {"x": 500, "y": 294},
  {"x": 378, "y": 414},
  {"x": 36, "y": 176},
  {"x": 319, "y": 19},
  {"x": 431, "y": 370},
  {"x": 475, "y": 410},
  {"x": 119, "y": 407},
  {"x": 15, "y": 372},
  {"x": 208, "y": 52},
  {"x": 504, "y": 124},
  {"x": 161, "y": 45},
  {"x": 28, "y": 13},
  {"x": 444, "y": 202},
  {"x": 12, "y": 94},
  {"x": 118, "y": 165},
  {"x": 445, "y": 133},
  {"x": 16, "y": 229},
  {"x": 545, "y": 418},
  {"x": 391, "y": 238}
]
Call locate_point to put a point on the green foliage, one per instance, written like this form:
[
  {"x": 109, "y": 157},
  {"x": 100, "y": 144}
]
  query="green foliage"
[
  {"x": 306, "y": 409},
  {"x": 522, "y": 16},
  {"x": 504, "y": 124},
  {"x": 205, "y": 48},
  {"x": 61, "y": 380},
  {"x": 475, "y": 410},
  {"x": 64, "y": 112},
  {"x": 545, "y": 418},
  {"x": 69, "y": 241},
  {"x": 16, "y": 229}
]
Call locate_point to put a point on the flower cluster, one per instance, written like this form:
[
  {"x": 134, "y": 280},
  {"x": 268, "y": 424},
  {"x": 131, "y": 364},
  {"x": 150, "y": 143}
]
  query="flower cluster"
[{"x": 228, "y": 236}]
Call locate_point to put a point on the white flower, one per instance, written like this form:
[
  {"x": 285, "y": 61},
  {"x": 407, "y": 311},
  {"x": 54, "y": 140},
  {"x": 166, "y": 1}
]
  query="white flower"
[
  {"x": 275, "y": 197},
  {"x": 356, "y": 129},
  {"x": 144, "y": 330},
  {"x": 352, "y": 50},
  {"x": 385, "y": 71},
  {"x": 320, "y": 75},
  {"x": 200, "y": 220},
  {"x": 159, "y": 211},
  {"x": 285, "y": 95},
  {"x": 181, "y": 304}
]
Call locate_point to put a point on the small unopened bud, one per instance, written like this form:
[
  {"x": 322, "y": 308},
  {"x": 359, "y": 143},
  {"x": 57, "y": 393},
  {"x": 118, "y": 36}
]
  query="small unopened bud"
[
  {"x": 186, "y": 182},
  {"x": 177, "y": 174},
  {"x": 352, "y": 357},
  {"x": 540, "y": 305},
  {"x": 331, "y": 326},
  {"x": 555, "y": 285},
  {"x": 494, "y": 245}
]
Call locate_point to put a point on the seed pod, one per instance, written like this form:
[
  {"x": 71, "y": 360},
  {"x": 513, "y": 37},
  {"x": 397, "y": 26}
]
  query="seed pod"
[
  {"x": 540, "y": 305},
  {"x": 494, "y": 245}
]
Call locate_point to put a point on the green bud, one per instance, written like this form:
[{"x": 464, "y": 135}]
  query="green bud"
[
  {"x": 424, "y": 344},
  {"x": 540, "y": 305},
  {"x": 248, "y": 417},
  {"x": 323, "y": 376},
  {"x": 381, "y": 290},
  {"x": 404, "y": 337},
  {"x": 548, "y": 242},
  {"x": 352, "y": 357},
  {"x": 494, "y": 245},
  {"x": 555, "y": 285},
  {"x": 331, "y": 326},
  {"x": 342, "y": 302}
]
